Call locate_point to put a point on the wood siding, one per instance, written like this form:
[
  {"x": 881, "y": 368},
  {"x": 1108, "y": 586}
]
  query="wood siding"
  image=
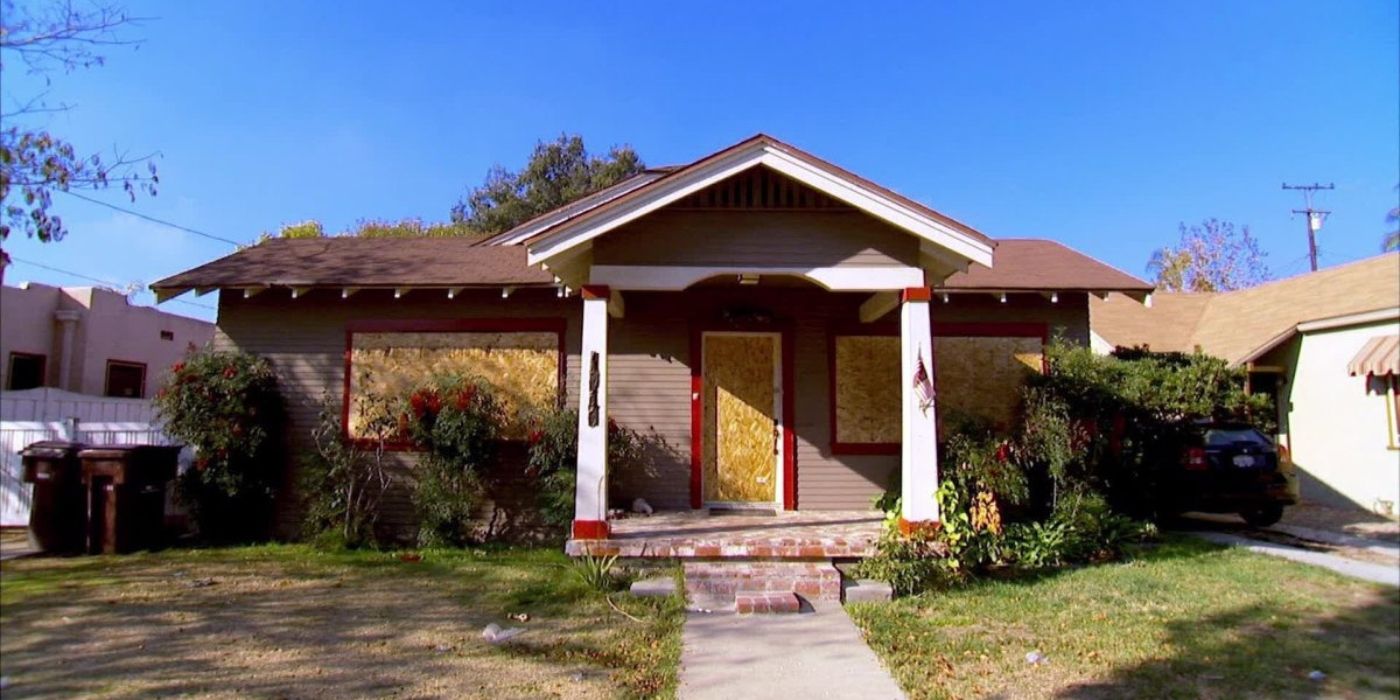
[
  {"x": 649, "y": 377},
  {"x": 779, "y": 238}
]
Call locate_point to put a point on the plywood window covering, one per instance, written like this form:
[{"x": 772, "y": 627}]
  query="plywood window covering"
[
  {"x": 866, "y": 390},
  {"x": 521, "y": 359},
  {"x": 979, "y": 369}
]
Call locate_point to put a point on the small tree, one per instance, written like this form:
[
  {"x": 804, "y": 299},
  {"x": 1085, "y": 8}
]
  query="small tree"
[
  {"x": 558, "y": 173},
  {"x": 1211, "y": 257},
  {"x": 226, "y": 406},
  {"x": 343, "y": 482}
]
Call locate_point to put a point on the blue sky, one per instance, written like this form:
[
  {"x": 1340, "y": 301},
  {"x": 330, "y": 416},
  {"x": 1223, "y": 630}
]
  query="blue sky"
[{"x": 1101, "y": 125}]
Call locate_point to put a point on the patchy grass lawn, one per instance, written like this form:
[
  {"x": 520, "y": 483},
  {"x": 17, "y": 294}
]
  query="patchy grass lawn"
[
  {"x": 291, "y": 621},
  {"x": 1184, "y": 619}
]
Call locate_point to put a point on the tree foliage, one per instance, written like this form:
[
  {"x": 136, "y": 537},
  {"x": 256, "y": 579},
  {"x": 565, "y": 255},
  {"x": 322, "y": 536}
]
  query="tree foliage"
[
  {"x": 34, "y": 163},
  {"x": 1210, "y": 257},
  {"x": 1391, "y": 240},
  {"x": 377, "y": 228},
  {"x": 557, "y": 173}
]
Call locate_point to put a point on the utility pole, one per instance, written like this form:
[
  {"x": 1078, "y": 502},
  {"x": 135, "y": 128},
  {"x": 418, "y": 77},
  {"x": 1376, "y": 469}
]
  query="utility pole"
[{"x": 1314, "y": 216}]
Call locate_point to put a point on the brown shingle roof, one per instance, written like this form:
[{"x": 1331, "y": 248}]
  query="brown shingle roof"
[
  {"x": 1232, "y": 325},
  {"x": 365, "y": 262},
  {"x": 387, "y": 262},
  {"x": 1034, "y": 264}
]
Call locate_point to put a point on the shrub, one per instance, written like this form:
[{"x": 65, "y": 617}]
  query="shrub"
[
  {"x": 456, "y": 420},
  {"x": 911, "y": 563},
  {"x": 553, "y": 461},
  {"x": 342, "y": 483},
  {"x": 225, "y": 405}
]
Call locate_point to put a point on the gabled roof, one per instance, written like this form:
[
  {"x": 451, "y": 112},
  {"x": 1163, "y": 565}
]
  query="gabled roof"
[
  {"x": 1240, "y": 326},
  {"x": 553, "y": 238},
  {"x": 1021, "y": 264},
  {"x": 1036, "y": 264}
]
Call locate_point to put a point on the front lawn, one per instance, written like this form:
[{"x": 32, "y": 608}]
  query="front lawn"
[
  {"x": 1184, "y": 619},
  {"x": 292, "y": 621}
]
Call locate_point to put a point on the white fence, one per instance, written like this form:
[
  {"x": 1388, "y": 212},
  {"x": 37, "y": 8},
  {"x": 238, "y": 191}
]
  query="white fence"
[{"x": 29, "y": 416}]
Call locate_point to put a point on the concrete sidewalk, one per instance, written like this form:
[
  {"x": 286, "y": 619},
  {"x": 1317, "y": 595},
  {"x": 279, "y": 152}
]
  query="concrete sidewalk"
[
  {"x": 1375, "y": 573},
  {"x": 820, "y": 654}
]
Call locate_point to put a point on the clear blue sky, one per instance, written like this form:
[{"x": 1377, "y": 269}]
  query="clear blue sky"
[{"x": 1101, "y": 125}]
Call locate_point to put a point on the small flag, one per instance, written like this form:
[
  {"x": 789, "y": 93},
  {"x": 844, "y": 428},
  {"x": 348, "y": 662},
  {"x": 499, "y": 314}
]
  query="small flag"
[{"x": 923, "y": 384}]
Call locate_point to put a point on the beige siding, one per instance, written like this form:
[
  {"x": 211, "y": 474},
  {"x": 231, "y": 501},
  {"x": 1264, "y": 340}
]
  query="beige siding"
[
  {"x": 304, "y": 339},
  {"x": 649, "y": 372},
  {"x": 782, "y": 238}
]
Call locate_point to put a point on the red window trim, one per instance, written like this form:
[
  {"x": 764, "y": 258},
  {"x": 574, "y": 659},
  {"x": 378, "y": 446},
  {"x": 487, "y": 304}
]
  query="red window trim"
[
  {"x": 43, "y": 367},
  {"x": 784, "y": 328},
  {"x": 107, "y": 378},
  {"x": 968, "y": 329},
  {"x": 557, "y": 326}
]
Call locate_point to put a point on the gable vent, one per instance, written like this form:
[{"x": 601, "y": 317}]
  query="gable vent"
[{"x": 759, "y": 188}]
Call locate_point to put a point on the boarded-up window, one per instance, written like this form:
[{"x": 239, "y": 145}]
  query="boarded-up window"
[
  {"x": 867, "y": 391},
  {"x": 982, "y": 376},
  {"x": 522, "y": 367}
]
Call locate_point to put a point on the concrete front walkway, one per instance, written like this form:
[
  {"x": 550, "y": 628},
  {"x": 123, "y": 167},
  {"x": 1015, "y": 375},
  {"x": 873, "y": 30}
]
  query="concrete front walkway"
[{"x": 810, "y": 655}]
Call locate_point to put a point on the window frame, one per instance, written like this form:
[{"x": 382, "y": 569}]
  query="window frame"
[
  {"x": 107, "y": 378},
  {"x": 959, "y": 329},
  {"x": 10, "y": 369},
  {"x": 557, "y": 326}
]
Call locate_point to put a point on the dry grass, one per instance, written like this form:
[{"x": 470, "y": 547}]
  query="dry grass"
[{"x": 288, "y": 621}]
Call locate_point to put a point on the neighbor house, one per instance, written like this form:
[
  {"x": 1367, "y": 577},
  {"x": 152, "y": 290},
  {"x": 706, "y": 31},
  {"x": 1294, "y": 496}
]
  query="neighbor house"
[
  {"x": 89, "y": 340},
  {"x": 773, "y": 324},
  {"x": 1325, "y": 344}
]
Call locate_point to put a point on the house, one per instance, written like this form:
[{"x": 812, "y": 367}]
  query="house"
[
  {"x": 777, "y": 326},
  {"x": 1323, "y": 343},
  {"x": 89, "y": 340}
]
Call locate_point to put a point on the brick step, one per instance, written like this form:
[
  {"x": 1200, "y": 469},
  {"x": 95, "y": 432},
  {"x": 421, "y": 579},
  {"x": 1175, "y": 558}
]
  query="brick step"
[{"x": 725, "y": 579}]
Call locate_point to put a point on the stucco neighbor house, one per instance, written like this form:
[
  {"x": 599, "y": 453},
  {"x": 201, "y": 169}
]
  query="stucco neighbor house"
[
  {"x": 89, "y": 340},
  {"x": 773, "y": 324},
  {"x": 1326, "y": 344}
]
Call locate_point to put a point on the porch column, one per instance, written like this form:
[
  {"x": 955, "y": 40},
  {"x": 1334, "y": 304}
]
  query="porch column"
[
  {"x": 919, "y": 449},
  {"x": 591, "y": 488}
]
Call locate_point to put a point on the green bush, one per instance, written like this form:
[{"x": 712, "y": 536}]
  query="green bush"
[
  {"x": 553, "y": 461},
  {"x": 343, "y": 481},
  {"x": 225, "y": 405},
  {"x": 456, "y": 420},
  {"x": 912, "y": 563}
]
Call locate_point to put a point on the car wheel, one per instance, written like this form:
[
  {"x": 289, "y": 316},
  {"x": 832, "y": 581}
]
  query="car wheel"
[{"x": 1263, "y": 516}]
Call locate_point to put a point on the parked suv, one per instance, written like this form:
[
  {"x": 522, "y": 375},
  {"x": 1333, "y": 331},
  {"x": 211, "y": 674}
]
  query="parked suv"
[{"x": 1233, "y": 468}]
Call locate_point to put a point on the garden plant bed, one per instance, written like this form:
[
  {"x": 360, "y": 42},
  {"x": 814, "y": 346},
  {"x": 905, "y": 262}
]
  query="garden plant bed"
[
  {"x": 291, "y": 621},
  {"x": 1182, "y": 619}
]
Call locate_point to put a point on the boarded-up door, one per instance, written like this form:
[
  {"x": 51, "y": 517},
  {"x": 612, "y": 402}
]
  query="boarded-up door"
[{"x": 741, "y": 448}]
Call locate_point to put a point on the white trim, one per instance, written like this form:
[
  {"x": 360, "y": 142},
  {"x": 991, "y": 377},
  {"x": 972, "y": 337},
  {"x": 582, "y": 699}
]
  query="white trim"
[
  {"x": 778, "y": 418},
  {"x": 677, "y": 277},
  {"x": 588, "y": 226},
  {"x": 1323, "y": 324}
]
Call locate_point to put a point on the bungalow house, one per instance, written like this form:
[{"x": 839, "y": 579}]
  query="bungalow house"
[
  {"x": 774, "y": 324},
  {"x": 1323, "y": 343}
]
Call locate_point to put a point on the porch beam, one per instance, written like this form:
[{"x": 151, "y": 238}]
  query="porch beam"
[
  {"x": 879, "y": 304},
  {"x": 591, "y": 485},
  {"x": 677, "y": 277},
  {"x": 919, "y": 446},
  {"x": 616, "y": 308}
]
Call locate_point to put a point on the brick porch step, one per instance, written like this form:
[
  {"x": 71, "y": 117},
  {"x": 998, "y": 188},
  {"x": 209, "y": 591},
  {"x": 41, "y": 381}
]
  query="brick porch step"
[
  {"x": 724, "y": 579},
  {"x": 750, "y": 602}
]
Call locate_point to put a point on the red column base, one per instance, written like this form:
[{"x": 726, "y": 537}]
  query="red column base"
[
  {"x": 919, "y": 527},
  {"x": 590, "y": 529}
]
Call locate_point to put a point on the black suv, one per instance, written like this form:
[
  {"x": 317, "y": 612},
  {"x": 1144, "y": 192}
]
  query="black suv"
[{"x": 1233, "y": 468}]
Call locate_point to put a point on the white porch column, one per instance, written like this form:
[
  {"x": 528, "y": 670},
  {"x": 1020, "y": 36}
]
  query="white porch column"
[
  {"x": 591, "y": 489},
  {"x": 919, "y": 449}
]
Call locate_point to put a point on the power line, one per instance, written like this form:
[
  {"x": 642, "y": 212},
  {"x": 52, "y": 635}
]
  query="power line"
[
  {"x": 1315, "y": 216},
  {"x": 98, "y": 280},
  {"x": 152, "y": 219}
]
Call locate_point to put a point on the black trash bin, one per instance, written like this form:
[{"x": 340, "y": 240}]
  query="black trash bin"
[
  {"x": 58, "y": 509},
  {"x": 125, "y": 488}
]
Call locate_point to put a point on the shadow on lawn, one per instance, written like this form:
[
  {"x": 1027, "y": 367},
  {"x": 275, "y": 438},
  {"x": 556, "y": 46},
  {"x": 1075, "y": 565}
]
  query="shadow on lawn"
[{"x": 1266, "y": 650}]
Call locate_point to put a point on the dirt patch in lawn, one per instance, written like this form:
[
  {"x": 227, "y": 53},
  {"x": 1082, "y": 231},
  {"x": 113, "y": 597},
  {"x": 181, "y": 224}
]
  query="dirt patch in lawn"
[{"x": 162, "y": 625}]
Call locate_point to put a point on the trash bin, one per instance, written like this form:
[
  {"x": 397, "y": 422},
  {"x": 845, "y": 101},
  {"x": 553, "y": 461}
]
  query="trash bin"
[
  {"x": 125, "y": 487},
  {"x": 58, "y": 510}
]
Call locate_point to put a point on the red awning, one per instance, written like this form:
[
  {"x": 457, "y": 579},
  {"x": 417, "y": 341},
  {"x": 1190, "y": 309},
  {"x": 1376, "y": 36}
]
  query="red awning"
[{"x": 1379, "y": 356}]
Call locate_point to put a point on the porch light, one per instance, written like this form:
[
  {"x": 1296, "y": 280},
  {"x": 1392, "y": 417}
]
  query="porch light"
[
  {"x": 748, "y": 278},
  {"x": 1002, "y": 297},
  {"x": 945, "y": 297}
]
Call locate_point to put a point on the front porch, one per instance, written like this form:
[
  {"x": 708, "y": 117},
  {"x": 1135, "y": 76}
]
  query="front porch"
[{"x": 702, "y": 534}]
